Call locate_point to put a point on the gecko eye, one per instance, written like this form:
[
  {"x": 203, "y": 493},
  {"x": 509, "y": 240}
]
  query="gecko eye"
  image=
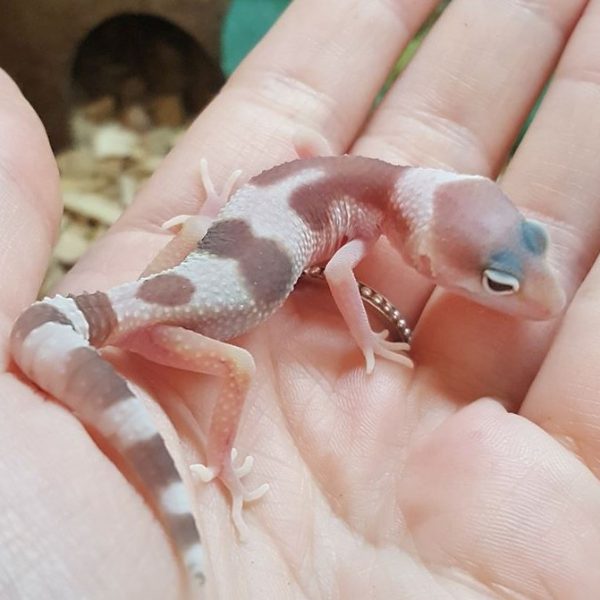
[{"x": 499, "y": 283}]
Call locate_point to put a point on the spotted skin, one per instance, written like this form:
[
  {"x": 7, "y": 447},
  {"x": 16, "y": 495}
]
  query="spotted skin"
[
  {"x": 450, "y": 227},
  {"x": 167, "y": 289},
  {"x": 98, "y": 312},
  {"x": 91, "y": 377},
  {"x": 264, "y": 264},
  {"x": 34, "y": 317}
]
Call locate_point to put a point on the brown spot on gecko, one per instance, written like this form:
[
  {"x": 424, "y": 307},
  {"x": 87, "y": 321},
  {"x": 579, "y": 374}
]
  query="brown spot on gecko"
[
  {"x": 37, "y": 315},
  {"x": 264, "y": 264},
  {"x": 166, "y": 289},
  {"x": 98, "y": 312},
  {"x": 367, "y": 181},
  {"x": 152, "y": 462},
  {"x": 183, "y": 529},
  {"x": 94, "y": 380}
]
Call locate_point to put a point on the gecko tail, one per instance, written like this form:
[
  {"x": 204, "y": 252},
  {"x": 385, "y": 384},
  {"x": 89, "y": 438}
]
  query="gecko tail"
[{"x": 50, "y": 342}]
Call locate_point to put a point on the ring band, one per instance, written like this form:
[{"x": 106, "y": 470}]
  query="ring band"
[{"x": 389, "y": 314}]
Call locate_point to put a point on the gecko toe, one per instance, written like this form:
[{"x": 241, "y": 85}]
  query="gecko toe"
[{"x": 204, "y": 473}]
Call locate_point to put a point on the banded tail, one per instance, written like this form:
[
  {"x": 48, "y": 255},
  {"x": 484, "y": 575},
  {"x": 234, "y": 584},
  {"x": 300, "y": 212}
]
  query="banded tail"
[{"x": 53, "y": 342}]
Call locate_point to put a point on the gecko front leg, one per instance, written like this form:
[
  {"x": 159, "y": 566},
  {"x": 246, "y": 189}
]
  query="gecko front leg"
[
  {"x": 344, "y": 289},
  {"x": 184, "y": 349}
]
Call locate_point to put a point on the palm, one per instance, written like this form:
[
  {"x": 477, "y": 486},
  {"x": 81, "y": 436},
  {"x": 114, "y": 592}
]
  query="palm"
[
  {"x": 399, "y": 484},
  {"x": 401, "y": 488}
]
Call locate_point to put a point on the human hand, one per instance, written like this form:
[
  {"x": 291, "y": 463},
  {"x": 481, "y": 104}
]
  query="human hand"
[{"x": 395, "y": 485}]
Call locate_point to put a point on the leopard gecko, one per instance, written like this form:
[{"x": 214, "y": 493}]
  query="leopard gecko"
[{"x": 218, "y": 279}]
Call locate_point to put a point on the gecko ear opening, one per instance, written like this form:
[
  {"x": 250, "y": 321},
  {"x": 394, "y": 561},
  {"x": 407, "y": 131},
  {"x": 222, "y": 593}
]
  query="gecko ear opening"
[{"x": 499, "y": 283}]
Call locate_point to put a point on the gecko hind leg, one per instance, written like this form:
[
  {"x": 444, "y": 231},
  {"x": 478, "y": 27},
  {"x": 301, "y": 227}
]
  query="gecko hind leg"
[
  {"x": 215, "y": 200},
  {"x": 190, "y": 229},
  {"x": 184, "y": 349}
]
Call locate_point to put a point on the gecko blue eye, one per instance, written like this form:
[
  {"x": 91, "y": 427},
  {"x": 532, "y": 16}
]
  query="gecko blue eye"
[
  {"x": 535, "y": 237},
  {"x": 499, "y": 283}
]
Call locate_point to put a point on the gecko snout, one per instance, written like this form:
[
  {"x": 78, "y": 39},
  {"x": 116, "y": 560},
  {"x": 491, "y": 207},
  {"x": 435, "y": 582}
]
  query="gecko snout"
[{"x": 546, "y": 297}]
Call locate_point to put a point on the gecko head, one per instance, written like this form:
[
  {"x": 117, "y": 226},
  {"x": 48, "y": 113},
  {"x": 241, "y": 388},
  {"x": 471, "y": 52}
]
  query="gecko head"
[{"x": 480, "y": 245}]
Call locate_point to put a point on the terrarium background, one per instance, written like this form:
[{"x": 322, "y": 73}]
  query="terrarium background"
[{"x": 116, "y": 82}]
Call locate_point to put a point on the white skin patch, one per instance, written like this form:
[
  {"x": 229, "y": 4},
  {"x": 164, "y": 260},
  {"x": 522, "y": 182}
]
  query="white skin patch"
[
  {"x": 270, "y": 217},
  {"x": 194, "y": 560},
  {"x": 68, "y": 307},
  {"x": 44, "y": 354},
  {"x": 129, "y": 420},
  {"x": 415, "y": 190},
  {"x": 174, "y": 499},
  {"x": 416, "y": 187}
]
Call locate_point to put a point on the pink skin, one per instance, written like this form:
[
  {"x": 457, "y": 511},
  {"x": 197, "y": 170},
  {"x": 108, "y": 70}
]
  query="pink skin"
[{"x": 397, "y": 484}]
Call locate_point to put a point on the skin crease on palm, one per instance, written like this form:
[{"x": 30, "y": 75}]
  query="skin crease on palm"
[{"x": 396, "y": 485}]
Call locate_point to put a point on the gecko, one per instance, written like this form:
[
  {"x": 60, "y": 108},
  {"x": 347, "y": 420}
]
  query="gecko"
[{"x": 232, "y": 266}]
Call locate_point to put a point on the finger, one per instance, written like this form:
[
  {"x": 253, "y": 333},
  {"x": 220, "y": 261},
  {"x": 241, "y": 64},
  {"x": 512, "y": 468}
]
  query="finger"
[
  {"x": 29, "y": 200},
  {"x": 317, "y": 69},
  {"x": 481, "y": 493},
  {"x": 461, "y": 101},
  {"x": 565, "y": 397},
  {"x": 555, "y": 175}
]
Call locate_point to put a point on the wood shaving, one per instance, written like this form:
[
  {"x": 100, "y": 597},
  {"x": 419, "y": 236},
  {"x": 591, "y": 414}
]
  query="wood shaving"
[{"x": 113, "y": 153}]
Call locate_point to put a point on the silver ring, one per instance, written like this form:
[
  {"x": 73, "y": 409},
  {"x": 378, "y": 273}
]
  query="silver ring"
[{"x": 390, "y": 315}]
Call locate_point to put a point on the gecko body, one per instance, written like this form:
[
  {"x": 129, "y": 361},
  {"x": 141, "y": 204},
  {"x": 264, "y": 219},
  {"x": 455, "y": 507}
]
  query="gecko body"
[{"x": 459, "y": 230}]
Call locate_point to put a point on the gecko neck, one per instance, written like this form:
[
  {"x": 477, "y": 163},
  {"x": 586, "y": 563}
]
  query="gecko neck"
[{"x": 411, "y": 212}]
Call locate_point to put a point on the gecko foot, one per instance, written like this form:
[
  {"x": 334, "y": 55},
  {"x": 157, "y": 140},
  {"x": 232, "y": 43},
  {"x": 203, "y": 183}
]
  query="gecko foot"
[
  {"x": 205, "y": 474},
  {"x": 379, "y": 345},
  {"x": 174, "y": 224},
  {"x": 231, "y": 477},
  {"x": 215, "y": 200},
  {"x": 196, "y": 224}
]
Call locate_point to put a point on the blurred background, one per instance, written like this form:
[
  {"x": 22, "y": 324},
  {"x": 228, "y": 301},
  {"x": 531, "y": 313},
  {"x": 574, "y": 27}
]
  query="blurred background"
[{"x": 116, "y": 82}]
